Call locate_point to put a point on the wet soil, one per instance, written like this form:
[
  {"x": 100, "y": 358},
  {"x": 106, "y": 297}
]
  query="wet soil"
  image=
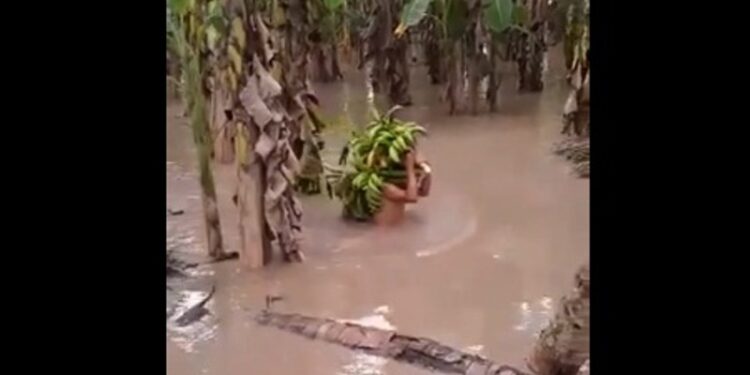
[{"x": 478, "y": 265}]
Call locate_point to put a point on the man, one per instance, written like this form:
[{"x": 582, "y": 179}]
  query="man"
[{"x": 395, "y": 198}]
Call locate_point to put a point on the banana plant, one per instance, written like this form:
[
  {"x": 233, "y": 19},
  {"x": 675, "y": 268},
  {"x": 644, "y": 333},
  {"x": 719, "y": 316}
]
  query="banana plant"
[
  {"x": 187, "y": 25},
  {"x": 471, "y": 37},
  {"x": 576, "y": 111},
  {"x": 385, "y": 53},
  {"x": 571, "y": 24},
  {"x": 328, "y": 35},
  {"x": 372, "y": 158},
  {"x": 265, "y": 106}
]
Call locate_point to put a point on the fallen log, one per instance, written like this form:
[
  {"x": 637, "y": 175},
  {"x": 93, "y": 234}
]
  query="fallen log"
[{"x": 417, "y": 351}]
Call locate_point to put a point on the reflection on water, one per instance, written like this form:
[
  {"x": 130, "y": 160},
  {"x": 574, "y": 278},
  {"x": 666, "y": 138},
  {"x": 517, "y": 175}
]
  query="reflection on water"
[
  {"x": 534, "y": 317},
  {"x": 365, "y": 364},
  {"x": 189, "y": 336},
  {"x": 474, "y": 349}
]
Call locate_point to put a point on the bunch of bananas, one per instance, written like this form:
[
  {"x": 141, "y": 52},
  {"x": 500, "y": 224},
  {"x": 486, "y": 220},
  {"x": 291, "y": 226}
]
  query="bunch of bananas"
[{"x": 373, "y": 158}]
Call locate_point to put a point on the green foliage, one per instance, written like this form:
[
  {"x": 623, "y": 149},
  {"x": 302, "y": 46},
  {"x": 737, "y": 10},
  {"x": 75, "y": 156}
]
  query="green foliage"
[
  {"x": 333, "y": 5},
  {"x": 373, "y": 158},
  {"x": 413, "y": 12},
  {"x": 179, "y": 7},
  {"x": 498, "y": 14},
  {"x": 456, "y": 18},
  {"x": 521, "y": 16}
]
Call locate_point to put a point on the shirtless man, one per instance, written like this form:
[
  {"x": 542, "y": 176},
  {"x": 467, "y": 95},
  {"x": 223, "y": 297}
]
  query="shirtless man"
[{"x": 395, "y": 198}]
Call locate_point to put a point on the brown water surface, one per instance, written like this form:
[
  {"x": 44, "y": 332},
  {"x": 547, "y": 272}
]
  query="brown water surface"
[{"x": 478, "y": 265}]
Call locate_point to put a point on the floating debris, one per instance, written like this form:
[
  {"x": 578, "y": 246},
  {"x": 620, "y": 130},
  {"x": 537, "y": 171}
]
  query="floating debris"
[
  {"x": 175, "y": 212},
  {"x": 386, "y": 343},
  {"x": 189, "y": 321},
  {"x": 383, "y": 310},
  {"x": 195, "y": 312}
]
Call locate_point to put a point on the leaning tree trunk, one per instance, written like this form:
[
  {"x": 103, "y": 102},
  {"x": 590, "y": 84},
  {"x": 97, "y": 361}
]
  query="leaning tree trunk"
[
  {"x": 202, "y": 137},
  {"x": 563, "y": 347}
]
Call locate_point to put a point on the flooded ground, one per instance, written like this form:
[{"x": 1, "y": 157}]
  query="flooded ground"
[{"x": 478, "y": 265}]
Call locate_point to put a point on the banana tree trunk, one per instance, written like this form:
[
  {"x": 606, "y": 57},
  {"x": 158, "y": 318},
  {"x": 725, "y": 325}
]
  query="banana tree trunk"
[
  {"x": 396, "y": 53},
  {"x": 254, "y": 242},
  {"x": 210, "y": 206},
  {"x": 370, "y": 77},
  {"x": 398, "y": 73},
  {"x": 223, "y": 146},
  {"x": 536, "y": 53},
  {"x": 335, "y": 66},
  {"x": 576, "y": 111},
  {"x": 495, "y": 77},
  {"x": 474, "y": 78},
  {"x": 321, "y": 69},
  {"x": 477, "y": 64},
  {"x": 475, "y": 57},
  {"x": 432, "y": 53},
  {"x": 537, "y": 47},
  {"x": 563, "y": 347},
  {"x": 203, "y": 145},
  {"x": 374, "y": 42},
  {"x": 456, "y": 88},
  {"x": 292, "y": 34},
  {"x": 270, "y": 215}
]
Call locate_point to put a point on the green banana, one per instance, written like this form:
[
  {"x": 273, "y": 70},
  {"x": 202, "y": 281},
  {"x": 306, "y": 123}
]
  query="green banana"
[{"x": 374, "y": 158}]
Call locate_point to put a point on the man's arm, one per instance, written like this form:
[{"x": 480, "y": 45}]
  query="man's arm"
[
  {"x": 424, "y": 184},
  {"x": 425, "y": 177},
  {"x": 397, "y": 194},
  {"x": 410, "y": 195}
]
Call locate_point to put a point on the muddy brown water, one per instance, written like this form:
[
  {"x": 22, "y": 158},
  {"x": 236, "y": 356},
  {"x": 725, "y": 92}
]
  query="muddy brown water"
[{"x": 478, "y": 265}]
